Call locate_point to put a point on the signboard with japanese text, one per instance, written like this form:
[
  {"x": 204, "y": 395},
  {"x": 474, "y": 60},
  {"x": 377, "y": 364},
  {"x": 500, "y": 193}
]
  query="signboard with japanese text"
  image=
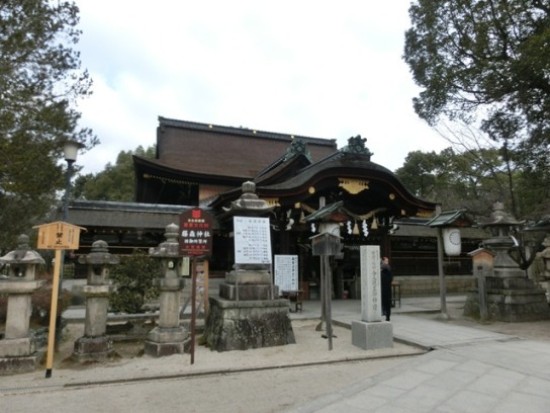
[
  {"x": 196, "y": 230},
  {"x": 286, "y": 272},
  {"x": 58, "y": 236},
  {"x": 252, "y": 240}
]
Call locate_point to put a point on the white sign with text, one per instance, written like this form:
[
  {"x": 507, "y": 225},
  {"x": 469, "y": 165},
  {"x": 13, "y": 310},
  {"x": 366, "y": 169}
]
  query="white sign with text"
[
  {"x": 286, "y": 272},
  {"x": 252, "y": 240}
]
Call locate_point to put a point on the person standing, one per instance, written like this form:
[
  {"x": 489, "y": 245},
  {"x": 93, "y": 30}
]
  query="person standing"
[{"x": 386, "y": 280}]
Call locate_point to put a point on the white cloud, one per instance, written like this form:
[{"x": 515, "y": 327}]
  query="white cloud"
[{"x": 315, "y": 68}]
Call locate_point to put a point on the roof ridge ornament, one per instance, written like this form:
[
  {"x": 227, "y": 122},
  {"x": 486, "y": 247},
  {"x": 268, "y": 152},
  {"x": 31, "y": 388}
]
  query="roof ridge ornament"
[
  {"x": 297, "y": 147},
  {"x": 356, "y": 145}
]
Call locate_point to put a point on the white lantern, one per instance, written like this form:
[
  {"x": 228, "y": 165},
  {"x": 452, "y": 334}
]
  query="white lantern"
[{"x": 452, "y": 241}]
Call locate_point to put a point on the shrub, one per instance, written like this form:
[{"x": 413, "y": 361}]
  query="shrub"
[{"x": 134, "y": 283}]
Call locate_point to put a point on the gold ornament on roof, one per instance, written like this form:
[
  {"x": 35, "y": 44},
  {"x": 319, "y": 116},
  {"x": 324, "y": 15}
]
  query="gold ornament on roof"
[{"x": 353, "y": 186}]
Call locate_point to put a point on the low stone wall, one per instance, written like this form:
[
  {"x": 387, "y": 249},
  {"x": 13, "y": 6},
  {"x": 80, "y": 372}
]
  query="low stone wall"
[{"x": 429, "y": 285}]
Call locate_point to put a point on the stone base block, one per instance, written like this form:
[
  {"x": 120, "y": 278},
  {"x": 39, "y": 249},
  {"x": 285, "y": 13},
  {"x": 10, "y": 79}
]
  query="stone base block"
[
  {"x": 166, "y": 341},
  {"x": 17, "y": 365},
  {"x": 246, "y": 292},
  {"x": 510, "y": 305},
  {"x": 16, "y": 347},
  {"x": 243, "y": 325},
  {"x": 93, "y": 349},
  {"x": 371, "y": 336}
]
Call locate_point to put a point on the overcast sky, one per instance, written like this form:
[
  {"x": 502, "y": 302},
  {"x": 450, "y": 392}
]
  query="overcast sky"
[{"x": 305, "y": 67}]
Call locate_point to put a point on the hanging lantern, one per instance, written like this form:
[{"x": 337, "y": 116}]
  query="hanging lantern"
[{"x": 452, "y": 241}]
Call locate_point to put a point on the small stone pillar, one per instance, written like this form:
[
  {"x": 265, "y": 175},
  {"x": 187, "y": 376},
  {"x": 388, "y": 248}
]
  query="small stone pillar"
[
  {"x": 17, "y": 349},
  {"x": 476, "y": 302},
  {"x": 168, "y": 337},
  {"x": 95, "y": 345}
]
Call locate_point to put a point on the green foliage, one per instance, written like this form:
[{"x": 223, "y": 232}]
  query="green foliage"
[
  {"x": 116, "y": 182},
  {"x": 488, "y": 58},
  {"x": 40, "y": 81},
  {"x": 134, "y": 281},
  {"x": 473, "y": 179}
]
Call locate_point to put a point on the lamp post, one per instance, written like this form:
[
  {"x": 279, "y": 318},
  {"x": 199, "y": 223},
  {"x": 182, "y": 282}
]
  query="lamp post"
[{"x": 70, "y": 152}]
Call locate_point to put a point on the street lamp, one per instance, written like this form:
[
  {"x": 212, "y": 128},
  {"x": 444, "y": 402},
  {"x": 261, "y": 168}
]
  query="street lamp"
[{"x": 70, "y": 152}]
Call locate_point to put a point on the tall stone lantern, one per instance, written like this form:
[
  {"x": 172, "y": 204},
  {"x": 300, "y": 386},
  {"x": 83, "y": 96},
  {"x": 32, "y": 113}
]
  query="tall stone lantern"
[
  {"x": 544, "y": 255},
  {"x": 168, "y": 337},
  {"x": 95, "y": 345},
  {"x": 17, "y": 350},
  {"x": 511, "y": 295}
]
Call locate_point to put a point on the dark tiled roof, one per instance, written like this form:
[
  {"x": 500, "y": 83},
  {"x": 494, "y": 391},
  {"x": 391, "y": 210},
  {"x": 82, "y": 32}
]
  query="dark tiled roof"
[{"x": 213, "y": 150}]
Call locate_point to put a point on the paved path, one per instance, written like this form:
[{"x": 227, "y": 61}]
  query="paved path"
[{"x": 467, "y": 370}]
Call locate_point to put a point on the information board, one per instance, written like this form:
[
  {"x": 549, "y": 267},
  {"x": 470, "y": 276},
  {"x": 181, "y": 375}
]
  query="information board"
[
  {"x": 286, "y": 272},
  {"x": 196, "y": 230},
  {"x": 252, "y": 240}
]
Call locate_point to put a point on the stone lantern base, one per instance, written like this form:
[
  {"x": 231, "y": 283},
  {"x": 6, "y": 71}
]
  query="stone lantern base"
[
  {"x": 18, "y": 356},
  {"x": 165, "y": 341},
  {"x": 93, "y": 349},
  {"x": 243, "y": 325},
  {"x": 511, "y": 300}
]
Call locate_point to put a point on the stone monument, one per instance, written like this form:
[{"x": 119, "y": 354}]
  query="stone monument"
[
  {"x": 510, "y": 294},
  {"x": 247, "y": 313},
  {"x": 169, "y": 337},
  {"x": 17, "y": 349},
  {"x": 371, "y": 332},
  {"x": 95, "y": 345}
]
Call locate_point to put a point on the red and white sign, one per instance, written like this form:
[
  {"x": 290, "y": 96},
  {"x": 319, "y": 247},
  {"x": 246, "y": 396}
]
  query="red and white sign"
[{"x": 196, "y": 230}]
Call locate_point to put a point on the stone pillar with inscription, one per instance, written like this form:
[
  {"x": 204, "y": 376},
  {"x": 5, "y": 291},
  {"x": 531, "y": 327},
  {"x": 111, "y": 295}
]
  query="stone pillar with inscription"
[
  {"x": 371, "y": 332},
  {"x": 248, "y": 313}
]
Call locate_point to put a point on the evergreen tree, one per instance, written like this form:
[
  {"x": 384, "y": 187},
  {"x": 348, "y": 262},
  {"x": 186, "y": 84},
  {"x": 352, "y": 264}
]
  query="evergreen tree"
[{"x": 40, "y": 80}]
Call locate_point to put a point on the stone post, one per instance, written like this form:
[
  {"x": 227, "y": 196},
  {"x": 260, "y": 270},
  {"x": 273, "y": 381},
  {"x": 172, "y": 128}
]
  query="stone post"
[
  {"x": 17, "y": 349},
  {"x": 95, "y": 345},
  {"x": 168, "y": 337},
  {"x": 371, "y": 332}
]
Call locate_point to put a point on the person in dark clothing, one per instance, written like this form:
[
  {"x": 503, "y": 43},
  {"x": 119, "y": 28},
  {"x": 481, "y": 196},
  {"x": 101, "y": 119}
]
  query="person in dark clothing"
[{"x": 386, "y": 280}]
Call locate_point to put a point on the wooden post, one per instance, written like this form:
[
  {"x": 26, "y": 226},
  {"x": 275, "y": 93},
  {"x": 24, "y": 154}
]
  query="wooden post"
[
  {"x": 442, "y": 285},
  {"x": 193, "y": 306},
  {"x": 53, "y": 313},
  {"x": 328, "y": 298}
]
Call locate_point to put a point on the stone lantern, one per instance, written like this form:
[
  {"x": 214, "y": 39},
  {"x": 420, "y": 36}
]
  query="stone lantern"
[
  {"x": 248, "y": 313},
  {"x": 168, "y": 337},
  {"x": 511, "y": 295},
  {"x": 544, "y": 255},
  {"x": 95, "y": 345},
  {"x": 17, "y": 352}
]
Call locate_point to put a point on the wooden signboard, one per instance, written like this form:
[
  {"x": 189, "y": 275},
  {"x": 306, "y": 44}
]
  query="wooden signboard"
[{"x": 58, "y": 236}]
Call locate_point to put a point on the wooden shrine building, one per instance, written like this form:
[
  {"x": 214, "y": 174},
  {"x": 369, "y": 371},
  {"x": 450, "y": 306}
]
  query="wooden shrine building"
[{"x": 205, "y": 165}]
